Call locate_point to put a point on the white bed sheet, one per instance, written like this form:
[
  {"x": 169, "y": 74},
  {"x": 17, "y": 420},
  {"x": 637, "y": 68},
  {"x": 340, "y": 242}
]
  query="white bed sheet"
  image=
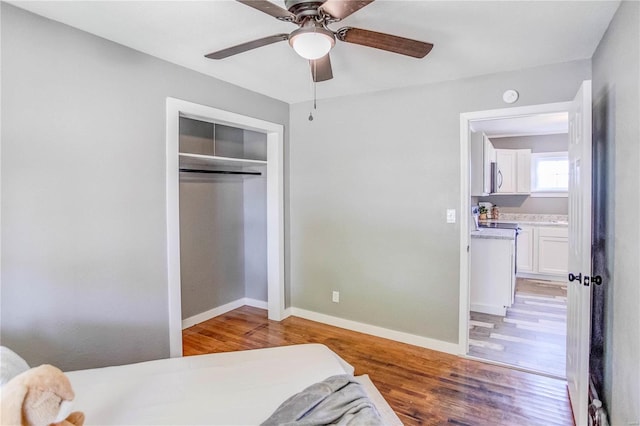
[{"x": 234, "y": 388}]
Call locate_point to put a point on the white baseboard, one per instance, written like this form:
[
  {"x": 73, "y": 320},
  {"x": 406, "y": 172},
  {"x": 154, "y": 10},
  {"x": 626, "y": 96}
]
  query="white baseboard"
[
  {"x": 255, "y": 303},
  {"x": 211, "y": 313},
  {"x": 399, "y": 336},
  {"x": 488, "y": 309},
  {"x": 553, "y": 279}
]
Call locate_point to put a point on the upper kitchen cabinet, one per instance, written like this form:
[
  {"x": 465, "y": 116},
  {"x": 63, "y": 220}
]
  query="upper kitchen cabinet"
[
  {"x": 523, "y": 171},
  {"x": 513, "y": 171},
  {"x": 482, "y": 154}
]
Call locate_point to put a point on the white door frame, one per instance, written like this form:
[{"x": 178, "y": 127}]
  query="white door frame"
[
  {"x": 177, "y": 108},
  {"x": 465, "y": 194}
]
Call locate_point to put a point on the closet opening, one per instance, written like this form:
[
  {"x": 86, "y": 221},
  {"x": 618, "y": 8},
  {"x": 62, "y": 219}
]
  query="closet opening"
[{"x": 224, "y": 215}]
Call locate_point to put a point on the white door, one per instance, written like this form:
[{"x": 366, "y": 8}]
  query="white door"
[{"x": 579, "y": 289}]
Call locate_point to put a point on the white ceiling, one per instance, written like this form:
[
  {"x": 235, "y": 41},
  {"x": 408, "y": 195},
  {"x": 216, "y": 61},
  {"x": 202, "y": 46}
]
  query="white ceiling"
[{"x": 471, "y": 38}]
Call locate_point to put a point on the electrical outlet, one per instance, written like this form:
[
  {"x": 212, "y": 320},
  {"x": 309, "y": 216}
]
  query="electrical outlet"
[
  {"x": 335, "y": 297},
  {"x": 451, "y": 215}
]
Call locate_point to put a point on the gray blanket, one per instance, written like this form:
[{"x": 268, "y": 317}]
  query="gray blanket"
[{"x": 338, "y": 400}]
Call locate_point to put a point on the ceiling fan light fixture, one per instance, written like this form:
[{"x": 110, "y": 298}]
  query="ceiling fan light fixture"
[{"x": 312, "y": 42}]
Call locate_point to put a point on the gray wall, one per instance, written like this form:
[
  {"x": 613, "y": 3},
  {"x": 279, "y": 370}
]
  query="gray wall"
[
  {"x": 83, "y": 184},
  {"x": 371, "y": 179},
  {"x": 211, "y": 242},
  {"x": 255, "y": 236},
  {"x": 616, "y": 92},
  {"x": 524, "y": 204},
  {"x": 255, "y": 221}
]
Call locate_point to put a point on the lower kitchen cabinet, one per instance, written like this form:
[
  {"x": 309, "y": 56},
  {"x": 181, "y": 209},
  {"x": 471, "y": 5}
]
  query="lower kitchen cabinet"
[
  {"x": 553, "y": 251},
  {"x": 492, "y": 281},
  {"x": 525, "y": 249},
  {"x": 544, "y": 251}
]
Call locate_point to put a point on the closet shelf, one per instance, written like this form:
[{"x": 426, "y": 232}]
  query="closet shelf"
[{"x": 211, "y": 160}]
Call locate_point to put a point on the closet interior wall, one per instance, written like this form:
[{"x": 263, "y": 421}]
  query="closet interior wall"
[{"x": 223, "y": 224}]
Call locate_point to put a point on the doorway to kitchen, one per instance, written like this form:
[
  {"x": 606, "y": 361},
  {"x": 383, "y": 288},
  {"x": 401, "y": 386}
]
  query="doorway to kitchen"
[
  {"x": 532, "y": 333},
  {"x": 513, "y": 293}
]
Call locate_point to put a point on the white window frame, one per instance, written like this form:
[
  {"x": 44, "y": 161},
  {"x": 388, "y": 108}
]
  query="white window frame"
[{"x": 534, "y": 160}]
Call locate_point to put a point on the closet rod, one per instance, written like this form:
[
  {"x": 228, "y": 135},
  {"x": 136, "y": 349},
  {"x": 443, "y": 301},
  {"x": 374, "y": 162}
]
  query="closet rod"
[{"x": 220, "y": 172}]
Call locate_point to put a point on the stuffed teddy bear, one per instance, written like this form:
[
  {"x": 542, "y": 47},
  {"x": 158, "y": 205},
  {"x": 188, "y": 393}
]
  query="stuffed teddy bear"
[{"x": 40, "y": 396}]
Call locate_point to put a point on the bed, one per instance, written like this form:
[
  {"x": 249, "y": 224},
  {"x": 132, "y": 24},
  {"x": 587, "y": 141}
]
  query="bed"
[{"x": 233, "y": 388}]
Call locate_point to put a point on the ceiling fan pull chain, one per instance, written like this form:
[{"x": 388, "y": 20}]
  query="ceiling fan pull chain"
[{"x": 315, "y": 70}]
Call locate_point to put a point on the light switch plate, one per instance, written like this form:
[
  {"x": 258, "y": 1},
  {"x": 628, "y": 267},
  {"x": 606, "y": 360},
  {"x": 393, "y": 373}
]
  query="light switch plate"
[{"x": 451, "y": 215}]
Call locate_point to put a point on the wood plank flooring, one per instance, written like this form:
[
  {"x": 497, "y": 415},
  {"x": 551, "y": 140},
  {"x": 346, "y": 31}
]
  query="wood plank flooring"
[
  {"x": 424, "y": 387},
  {"x": 533, "y": 333}
]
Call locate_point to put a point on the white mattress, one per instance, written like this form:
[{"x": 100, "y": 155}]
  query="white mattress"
[{"x": 234, "y": 388}]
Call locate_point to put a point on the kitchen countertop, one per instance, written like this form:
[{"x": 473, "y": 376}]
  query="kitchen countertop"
[
  {"x": 494, "y": 233},
  {"x": 533, "y": 219},
  {"x": 560, "y": 224},
  {"x": 552, "y": 224}
]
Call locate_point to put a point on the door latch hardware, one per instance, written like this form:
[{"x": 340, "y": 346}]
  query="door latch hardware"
[
  {"x": 587, "y": 279},
  {"x": 595, "y": 280}
]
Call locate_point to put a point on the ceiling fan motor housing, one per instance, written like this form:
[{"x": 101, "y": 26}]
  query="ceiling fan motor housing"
[
  {"x": 303, "y": 8},
  {"x": 312, "y": 26}
]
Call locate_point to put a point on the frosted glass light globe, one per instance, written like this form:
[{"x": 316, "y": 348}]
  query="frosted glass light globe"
[{"x": 311, "y": 44}]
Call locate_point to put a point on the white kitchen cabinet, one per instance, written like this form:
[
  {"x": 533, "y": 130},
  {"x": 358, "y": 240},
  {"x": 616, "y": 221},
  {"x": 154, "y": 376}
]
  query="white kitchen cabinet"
[
  {"x": 482, "y": 154},
  {"x": 489, "y": 156},
  {"x": 523, "y": 171},
  {"x": 553, "y": 251},
  {"x": 506, "y": 173},
  {"x": 543, "y": 251},
  {"x": 525, "y": 249},
  {"x": 476, "y": 164},
  {"x": 492, "y": 275},
  {"x": 513, "y": 175}
]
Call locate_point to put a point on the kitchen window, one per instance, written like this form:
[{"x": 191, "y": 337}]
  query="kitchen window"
[{"x": 549, "y": 174}]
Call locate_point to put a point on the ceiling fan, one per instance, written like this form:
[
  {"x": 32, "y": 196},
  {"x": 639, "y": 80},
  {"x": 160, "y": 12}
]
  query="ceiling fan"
[{"x": 313, "y": 39}]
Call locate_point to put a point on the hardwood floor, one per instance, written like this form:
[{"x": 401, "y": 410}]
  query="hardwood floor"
[
  {"x": 422, "y": 386},
  {"x": 533, "y": 333}
]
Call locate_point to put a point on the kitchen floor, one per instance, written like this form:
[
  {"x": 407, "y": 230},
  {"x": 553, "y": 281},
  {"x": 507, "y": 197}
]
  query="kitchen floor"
[{"x": 533, "y": 333}]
